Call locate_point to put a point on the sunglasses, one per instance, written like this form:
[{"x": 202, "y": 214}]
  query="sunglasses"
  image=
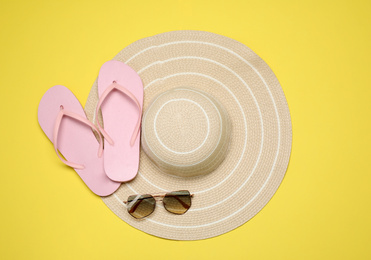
[{"x": 177, "y": 202}]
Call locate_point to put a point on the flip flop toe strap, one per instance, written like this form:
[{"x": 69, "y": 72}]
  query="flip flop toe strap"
[
  {"x": 120, "y": 88},
  {"x": 77, "y": 117}
]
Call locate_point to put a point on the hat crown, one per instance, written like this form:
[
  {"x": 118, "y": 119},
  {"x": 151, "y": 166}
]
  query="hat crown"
[{"x": 185, "y": 132}]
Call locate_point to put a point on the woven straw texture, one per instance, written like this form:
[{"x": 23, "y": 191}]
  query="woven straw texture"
[
  {"x": 185, "y": 132},
  {"x": 260, "y": 136}
]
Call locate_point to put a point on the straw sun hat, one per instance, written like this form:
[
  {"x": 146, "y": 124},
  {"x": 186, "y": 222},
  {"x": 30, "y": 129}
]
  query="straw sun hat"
[{"x": 215, "y": 122}]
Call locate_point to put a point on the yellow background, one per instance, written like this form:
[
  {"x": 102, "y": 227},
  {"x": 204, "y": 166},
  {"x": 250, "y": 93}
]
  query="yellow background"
[{"x": 319, "y": 51}]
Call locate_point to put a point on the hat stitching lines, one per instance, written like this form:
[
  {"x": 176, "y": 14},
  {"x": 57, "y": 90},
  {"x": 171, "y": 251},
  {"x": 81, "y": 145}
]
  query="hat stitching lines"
[
  {"x": 181, "y": 42},
  {"x": 207, "y": 118},
  {"x": 217, "y": 110},
  {"x": 245, "y": 124},
  {"x": 234, "y": 73},
  {"x": 145, "y": 137},
  {"x": 279, "y": 135},
  {"x": 220, "y": 118}
]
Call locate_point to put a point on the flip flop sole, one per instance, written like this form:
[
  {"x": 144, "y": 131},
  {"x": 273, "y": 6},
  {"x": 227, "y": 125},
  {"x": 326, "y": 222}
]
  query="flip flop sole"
[
  {"x": 76, "y": 141},
  {"x": 120, "y": 116}
]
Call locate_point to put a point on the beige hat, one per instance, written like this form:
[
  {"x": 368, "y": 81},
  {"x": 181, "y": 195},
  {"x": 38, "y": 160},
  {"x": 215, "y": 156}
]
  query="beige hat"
[{"x": 215, "y": 122}]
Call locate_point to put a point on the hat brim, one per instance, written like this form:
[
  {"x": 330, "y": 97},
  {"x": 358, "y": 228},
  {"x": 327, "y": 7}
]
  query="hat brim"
[{"x": 260, "y": 143}]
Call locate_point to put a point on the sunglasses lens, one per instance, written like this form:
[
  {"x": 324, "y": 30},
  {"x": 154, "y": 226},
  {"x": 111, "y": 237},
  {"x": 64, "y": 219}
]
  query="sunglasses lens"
[
  {"x": 140, "y": 206},
  {"x": 177, "y": 202}
]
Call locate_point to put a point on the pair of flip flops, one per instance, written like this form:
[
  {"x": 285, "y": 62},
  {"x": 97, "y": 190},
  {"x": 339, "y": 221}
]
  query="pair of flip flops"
[{"x": 114, "y": 158}]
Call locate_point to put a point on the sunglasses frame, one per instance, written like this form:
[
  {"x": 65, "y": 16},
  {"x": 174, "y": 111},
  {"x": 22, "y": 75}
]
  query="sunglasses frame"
[{"x": 162, "y": 196}]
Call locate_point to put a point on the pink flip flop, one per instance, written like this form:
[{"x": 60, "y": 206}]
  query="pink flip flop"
[
  {"x": 121, "y": 100},
  {"x": 63, "y": 120}
]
